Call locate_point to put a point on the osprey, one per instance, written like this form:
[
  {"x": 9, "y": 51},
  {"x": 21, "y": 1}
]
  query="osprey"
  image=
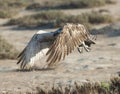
[{"x": 55, "y": 45}]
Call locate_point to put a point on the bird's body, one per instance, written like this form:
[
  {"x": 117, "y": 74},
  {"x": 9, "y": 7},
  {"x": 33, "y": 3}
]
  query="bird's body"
[{"x": 54, "y": 45}]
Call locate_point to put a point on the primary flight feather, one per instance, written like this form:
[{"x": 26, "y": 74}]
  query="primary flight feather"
[{"x": 55, "y": 45}]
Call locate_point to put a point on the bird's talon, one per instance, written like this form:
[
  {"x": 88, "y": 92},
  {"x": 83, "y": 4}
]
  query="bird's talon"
[{"x": 80, "y": 49}]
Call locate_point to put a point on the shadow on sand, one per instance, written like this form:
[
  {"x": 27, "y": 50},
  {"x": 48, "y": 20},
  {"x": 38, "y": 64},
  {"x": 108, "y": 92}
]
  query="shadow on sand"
[{"x": 8, "y": 69}]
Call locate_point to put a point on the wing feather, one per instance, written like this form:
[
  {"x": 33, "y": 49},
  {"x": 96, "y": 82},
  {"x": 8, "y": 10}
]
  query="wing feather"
[
  {"x": 71, "y": 36},
  {"x": 22, "y": 62},
  {"x": 36, "y": 49}
]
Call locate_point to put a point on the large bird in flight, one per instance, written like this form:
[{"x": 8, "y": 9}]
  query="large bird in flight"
[{"x": 55, "y": 45}]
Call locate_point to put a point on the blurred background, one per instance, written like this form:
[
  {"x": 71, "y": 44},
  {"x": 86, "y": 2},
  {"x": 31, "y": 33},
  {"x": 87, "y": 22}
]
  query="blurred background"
[
  {"x": 32, "y": 15},
  {"x": 21, "y": 19}
]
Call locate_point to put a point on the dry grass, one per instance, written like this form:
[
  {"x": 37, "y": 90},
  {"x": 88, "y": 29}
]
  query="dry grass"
[
  {"x": 7, "y": 51},
  {"x": 9, "y": 8},
  {"x": 69, "y": 4},
  {"x": 54, "y": 19},
  {"x": 97, "y": 17},
  {"x": 8, "y": 13},
  {"x": 112, "y": 87},
  {"x": 37, "y": 20}
]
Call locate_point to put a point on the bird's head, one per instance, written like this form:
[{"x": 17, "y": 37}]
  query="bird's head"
[{"x": 57, "y": 32}]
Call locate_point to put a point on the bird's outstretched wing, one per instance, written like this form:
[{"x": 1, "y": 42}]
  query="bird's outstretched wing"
[
  {"x": 36, "y": 49},
  {"x": 69, "y": 38}
]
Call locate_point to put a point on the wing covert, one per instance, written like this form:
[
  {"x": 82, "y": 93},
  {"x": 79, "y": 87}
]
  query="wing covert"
[{"x": 71, "y": 36}]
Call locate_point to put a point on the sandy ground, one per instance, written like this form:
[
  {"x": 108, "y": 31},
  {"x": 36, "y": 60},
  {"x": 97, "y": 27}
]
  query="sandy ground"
[{"x": 100, "y": 64}]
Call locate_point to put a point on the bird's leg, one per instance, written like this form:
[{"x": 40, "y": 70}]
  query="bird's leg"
[
  {"x": 80, "y": 49},
  {"x": 86, "y": 47}
]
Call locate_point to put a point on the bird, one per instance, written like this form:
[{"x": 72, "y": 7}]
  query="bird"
[{"x": 55, "y": 45}]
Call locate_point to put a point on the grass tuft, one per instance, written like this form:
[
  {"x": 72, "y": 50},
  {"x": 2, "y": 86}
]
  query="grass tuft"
[
  {"x": 54, "y": 19},
  {"x": 112, "y": 87},
  {"x": 97, "y": 17},
  {"x": 9, "y": 8},
  {"x": 7, "y": 51},
  {"x": 65, "y": 4}
]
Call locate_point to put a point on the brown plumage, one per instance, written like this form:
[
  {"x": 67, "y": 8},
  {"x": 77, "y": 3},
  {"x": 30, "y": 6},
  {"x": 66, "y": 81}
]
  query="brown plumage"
[
  {"x": 69, "y": 38},
  {"x": 55, "y": 45}
]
